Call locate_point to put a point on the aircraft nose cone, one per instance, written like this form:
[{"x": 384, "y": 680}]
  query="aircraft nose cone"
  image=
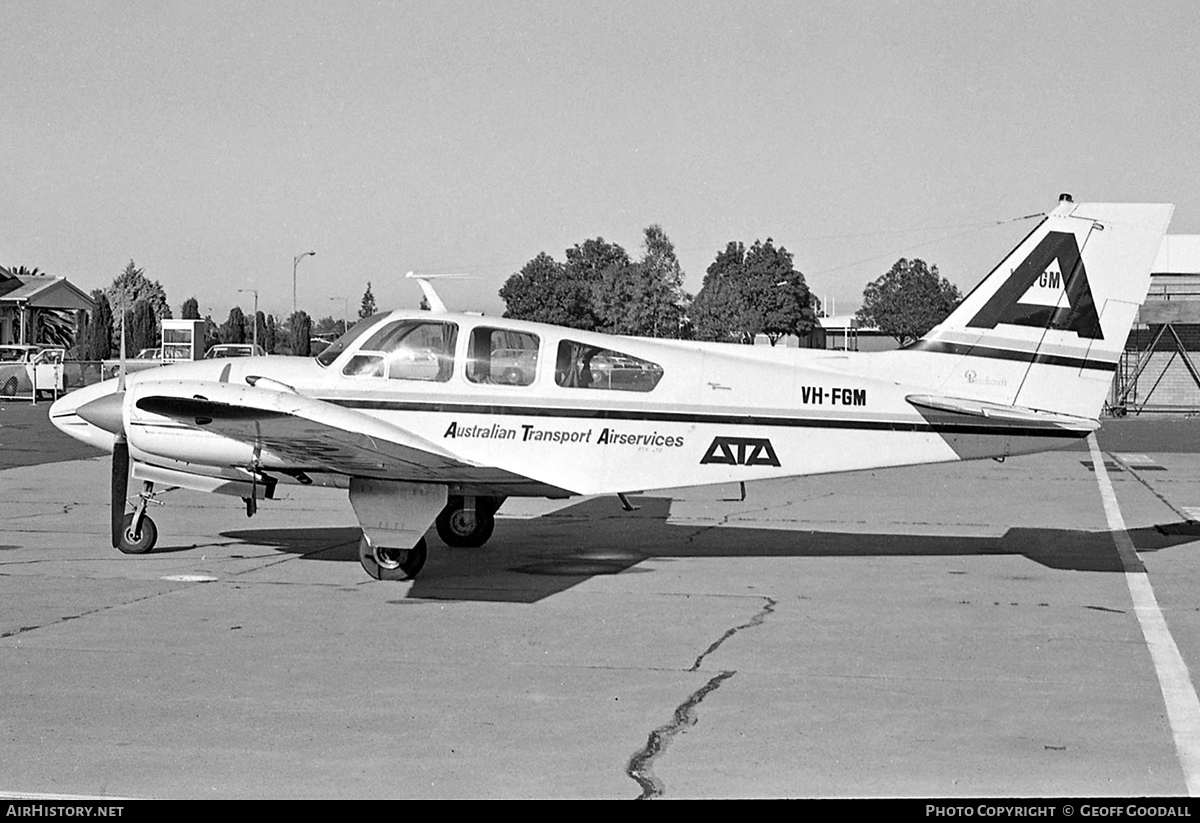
[{"x": 105, "y": 412}]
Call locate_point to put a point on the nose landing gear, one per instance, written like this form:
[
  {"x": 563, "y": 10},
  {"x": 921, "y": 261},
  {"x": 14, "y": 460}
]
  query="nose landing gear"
[{"x": 138, "y": 532}]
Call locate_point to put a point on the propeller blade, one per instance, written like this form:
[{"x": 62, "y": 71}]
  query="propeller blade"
[{"x": 120, "y": 487}]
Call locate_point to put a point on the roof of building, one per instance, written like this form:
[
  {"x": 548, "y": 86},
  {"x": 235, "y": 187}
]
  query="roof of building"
[
  {"x": 1178, "y": 254},
  {"x": 42, "y": 291}
]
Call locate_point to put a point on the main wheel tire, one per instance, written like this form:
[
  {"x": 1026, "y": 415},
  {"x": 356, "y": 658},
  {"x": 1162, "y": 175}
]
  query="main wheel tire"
[
  {"x": 392, "y": 564},
  {"x": 9, "y": 388},
  {"x": 138, "y": 543},
  {"x": 456, "y": 529}
]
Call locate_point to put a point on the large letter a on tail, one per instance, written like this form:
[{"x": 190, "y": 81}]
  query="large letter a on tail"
[{"x": 1049, "y": 290}]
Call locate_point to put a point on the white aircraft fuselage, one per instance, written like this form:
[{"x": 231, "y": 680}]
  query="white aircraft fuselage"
[{"x": 423, "y": 415}]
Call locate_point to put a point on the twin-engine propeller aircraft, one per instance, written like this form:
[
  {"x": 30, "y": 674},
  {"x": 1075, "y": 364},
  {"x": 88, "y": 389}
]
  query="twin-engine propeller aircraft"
[{"x": 434, "y": 417}]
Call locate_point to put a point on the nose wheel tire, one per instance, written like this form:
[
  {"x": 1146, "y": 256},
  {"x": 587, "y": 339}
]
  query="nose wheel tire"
[
  {"x": 140, "y": 542},
  {"x": 385, "y": 563}
]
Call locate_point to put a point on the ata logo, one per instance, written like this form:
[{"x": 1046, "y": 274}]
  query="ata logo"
[
  {"x": 1034, "y": 293},
  {"x": 740, "y": 451}
]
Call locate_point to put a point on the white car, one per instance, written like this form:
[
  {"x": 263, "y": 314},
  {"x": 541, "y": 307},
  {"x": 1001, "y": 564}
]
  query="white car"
[
  {"x": 20, "y": 363},
  {"x": 234, "y": 350},
  {"x": 144, "y": 359}
]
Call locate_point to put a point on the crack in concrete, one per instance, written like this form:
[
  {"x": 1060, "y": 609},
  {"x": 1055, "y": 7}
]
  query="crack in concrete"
[
  {"x": 641, "y": 765},
  {"x": 754, "y": 621},
  {"x": 88, "y": 613}
]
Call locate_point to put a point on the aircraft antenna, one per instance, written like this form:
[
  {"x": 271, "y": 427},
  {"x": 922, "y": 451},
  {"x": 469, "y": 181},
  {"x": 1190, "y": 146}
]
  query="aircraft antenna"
[{"x": 435, "y": 303}]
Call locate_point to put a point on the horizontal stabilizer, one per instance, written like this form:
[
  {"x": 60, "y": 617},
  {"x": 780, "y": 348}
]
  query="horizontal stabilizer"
[{"x": 1001, "y": 415}]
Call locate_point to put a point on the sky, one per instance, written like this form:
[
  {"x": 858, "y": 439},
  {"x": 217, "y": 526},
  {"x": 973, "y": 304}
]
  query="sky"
[{"x": 213, "y": 142}]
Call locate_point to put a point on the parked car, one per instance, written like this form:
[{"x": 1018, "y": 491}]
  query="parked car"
[
  {"x": 144, "y": 359},
  {"x": 234, "y": 350},
  {"x": 21, "y": 363},
  {"x": 513, "y": 367}
]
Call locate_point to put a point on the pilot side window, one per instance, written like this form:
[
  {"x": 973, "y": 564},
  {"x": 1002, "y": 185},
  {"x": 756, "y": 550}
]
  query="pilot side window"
[
  {"x": 583, "y": 366},
  {"x": 407, "y": 350},
  {"x": 502, "y": 356}
]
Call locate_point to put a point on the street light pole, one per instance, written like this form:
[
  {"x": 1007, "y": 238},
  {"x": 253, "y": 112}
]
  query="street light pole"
[
  {"x": 296, "y": 262},
  {"x": 255, "y": 291}
]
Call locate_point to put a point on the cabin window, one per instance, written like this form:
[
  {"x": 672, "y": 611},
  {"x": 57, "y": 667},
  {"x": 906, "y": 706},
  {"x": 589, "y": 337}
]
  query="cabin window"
[
  {"x": 502, "y": 356},
  {"x": 584, "y": 366},
  {"x": 364, "y": 365},
  {"x": 407, "y": 350},
  {"x": 342, "y": 343}
]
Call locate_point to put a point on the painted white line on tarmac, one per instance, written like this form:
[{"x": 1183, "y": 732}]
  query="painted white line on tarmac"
[
  {"x": 94, "y": 798},
  {"x": 1183, "y": 707}
]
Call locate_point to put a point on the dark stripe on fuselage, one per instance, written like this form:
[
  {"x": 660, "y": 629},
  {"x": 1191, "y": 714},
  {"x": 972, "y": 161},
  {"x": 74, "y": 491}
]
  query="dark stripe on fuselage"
[
  {"x": 939, "y": 347},
  {"x": 966, "y": 425}
]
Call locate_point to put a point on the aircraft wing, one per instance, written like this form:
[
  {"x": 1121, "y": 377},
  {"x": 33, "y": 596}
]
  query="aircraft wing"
[{"x": 291, "y": 431}]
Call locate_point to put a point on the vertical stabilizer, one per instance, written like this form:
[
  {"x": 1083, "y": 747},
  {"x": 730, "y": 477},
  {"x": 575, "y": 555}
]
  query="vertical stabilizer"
[{"x": 1046, "y": 328}]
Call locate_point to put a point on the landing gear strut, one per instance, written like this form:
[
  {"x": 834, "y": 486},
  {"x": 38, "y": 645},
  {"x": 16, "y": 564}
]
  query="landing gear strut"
[
  {"x": 394, "y": 517},
  {"x": 138, "y": 532},
  {"x": 468, "y": 522}
]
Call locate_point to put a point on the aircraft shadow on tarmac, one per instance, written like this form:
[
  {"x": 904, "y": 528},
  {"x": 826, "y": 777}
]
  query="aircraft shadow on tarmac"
[{"x": 528, "y": 560}]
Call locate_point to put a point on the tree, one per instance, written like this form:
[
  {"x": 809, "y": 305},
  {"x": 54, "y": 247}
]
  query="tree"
[
  {"x": 717, "y": 306},
  {"x": 328, "y": 327},
  {"x": 908, "y": 301},
  {"x": 141, "y": 327},
  {"x": 233, "y": 330},
  {"x": 190, "y": 310},
  {"x": 300, "y": 334},
  {"x": 776, "y": 301},
  {"x": 751, "y": 292},
  {"x": 55, "y": 327},
  {"x": 212, "y": 332},
  {"x": 587, "y": 261},
  {"x": 271, "y": 339},
  {"x": 260, "y": 326},
  {"x": 132, "y": 285},
  {"x": 543, "y": 292},
  {"x": 668, "y": 302},
  {"x": 368, "y": 304},
  {"x": 644, "y": 298},
  {"x": 96, "y": 337},
  {"x": 547, "y": 291}
]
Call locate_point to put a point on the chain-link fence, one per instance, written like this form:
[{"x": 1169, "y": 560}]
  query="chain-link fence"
[{"x": 26, "y": 381}]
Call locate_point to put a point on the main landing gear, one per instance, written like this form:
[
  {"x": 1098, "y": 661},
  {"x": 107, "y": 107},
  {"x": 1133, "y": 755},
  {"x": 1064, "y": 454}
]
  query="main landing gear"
[
  {"x": 467, "y": 522},
  {"x": 385, "y": 563},
  {"x": 394, "y": 517}
]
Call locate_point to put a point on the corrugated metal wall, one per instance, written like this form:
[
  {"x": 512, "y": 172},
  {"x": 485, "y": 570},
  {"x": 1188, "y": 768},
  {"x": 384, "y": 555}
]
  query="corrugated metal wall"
[{"x": 1160, "y": 370}]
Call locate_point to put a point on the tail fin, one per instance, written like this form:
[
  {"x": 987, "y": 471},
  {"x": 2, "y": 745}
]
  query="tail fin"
[{"x": 1046, "y": 328}]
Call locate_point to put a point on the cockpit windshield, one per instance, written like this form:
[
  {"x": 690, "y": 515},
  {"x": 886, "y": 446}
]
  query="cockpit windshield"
[{"x": 352, "y": 334}]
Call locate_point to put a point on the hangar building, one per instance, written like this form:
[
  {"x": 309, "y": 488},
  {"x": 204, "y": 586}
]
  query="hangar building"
[{"x": 1160, "y": 369}]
